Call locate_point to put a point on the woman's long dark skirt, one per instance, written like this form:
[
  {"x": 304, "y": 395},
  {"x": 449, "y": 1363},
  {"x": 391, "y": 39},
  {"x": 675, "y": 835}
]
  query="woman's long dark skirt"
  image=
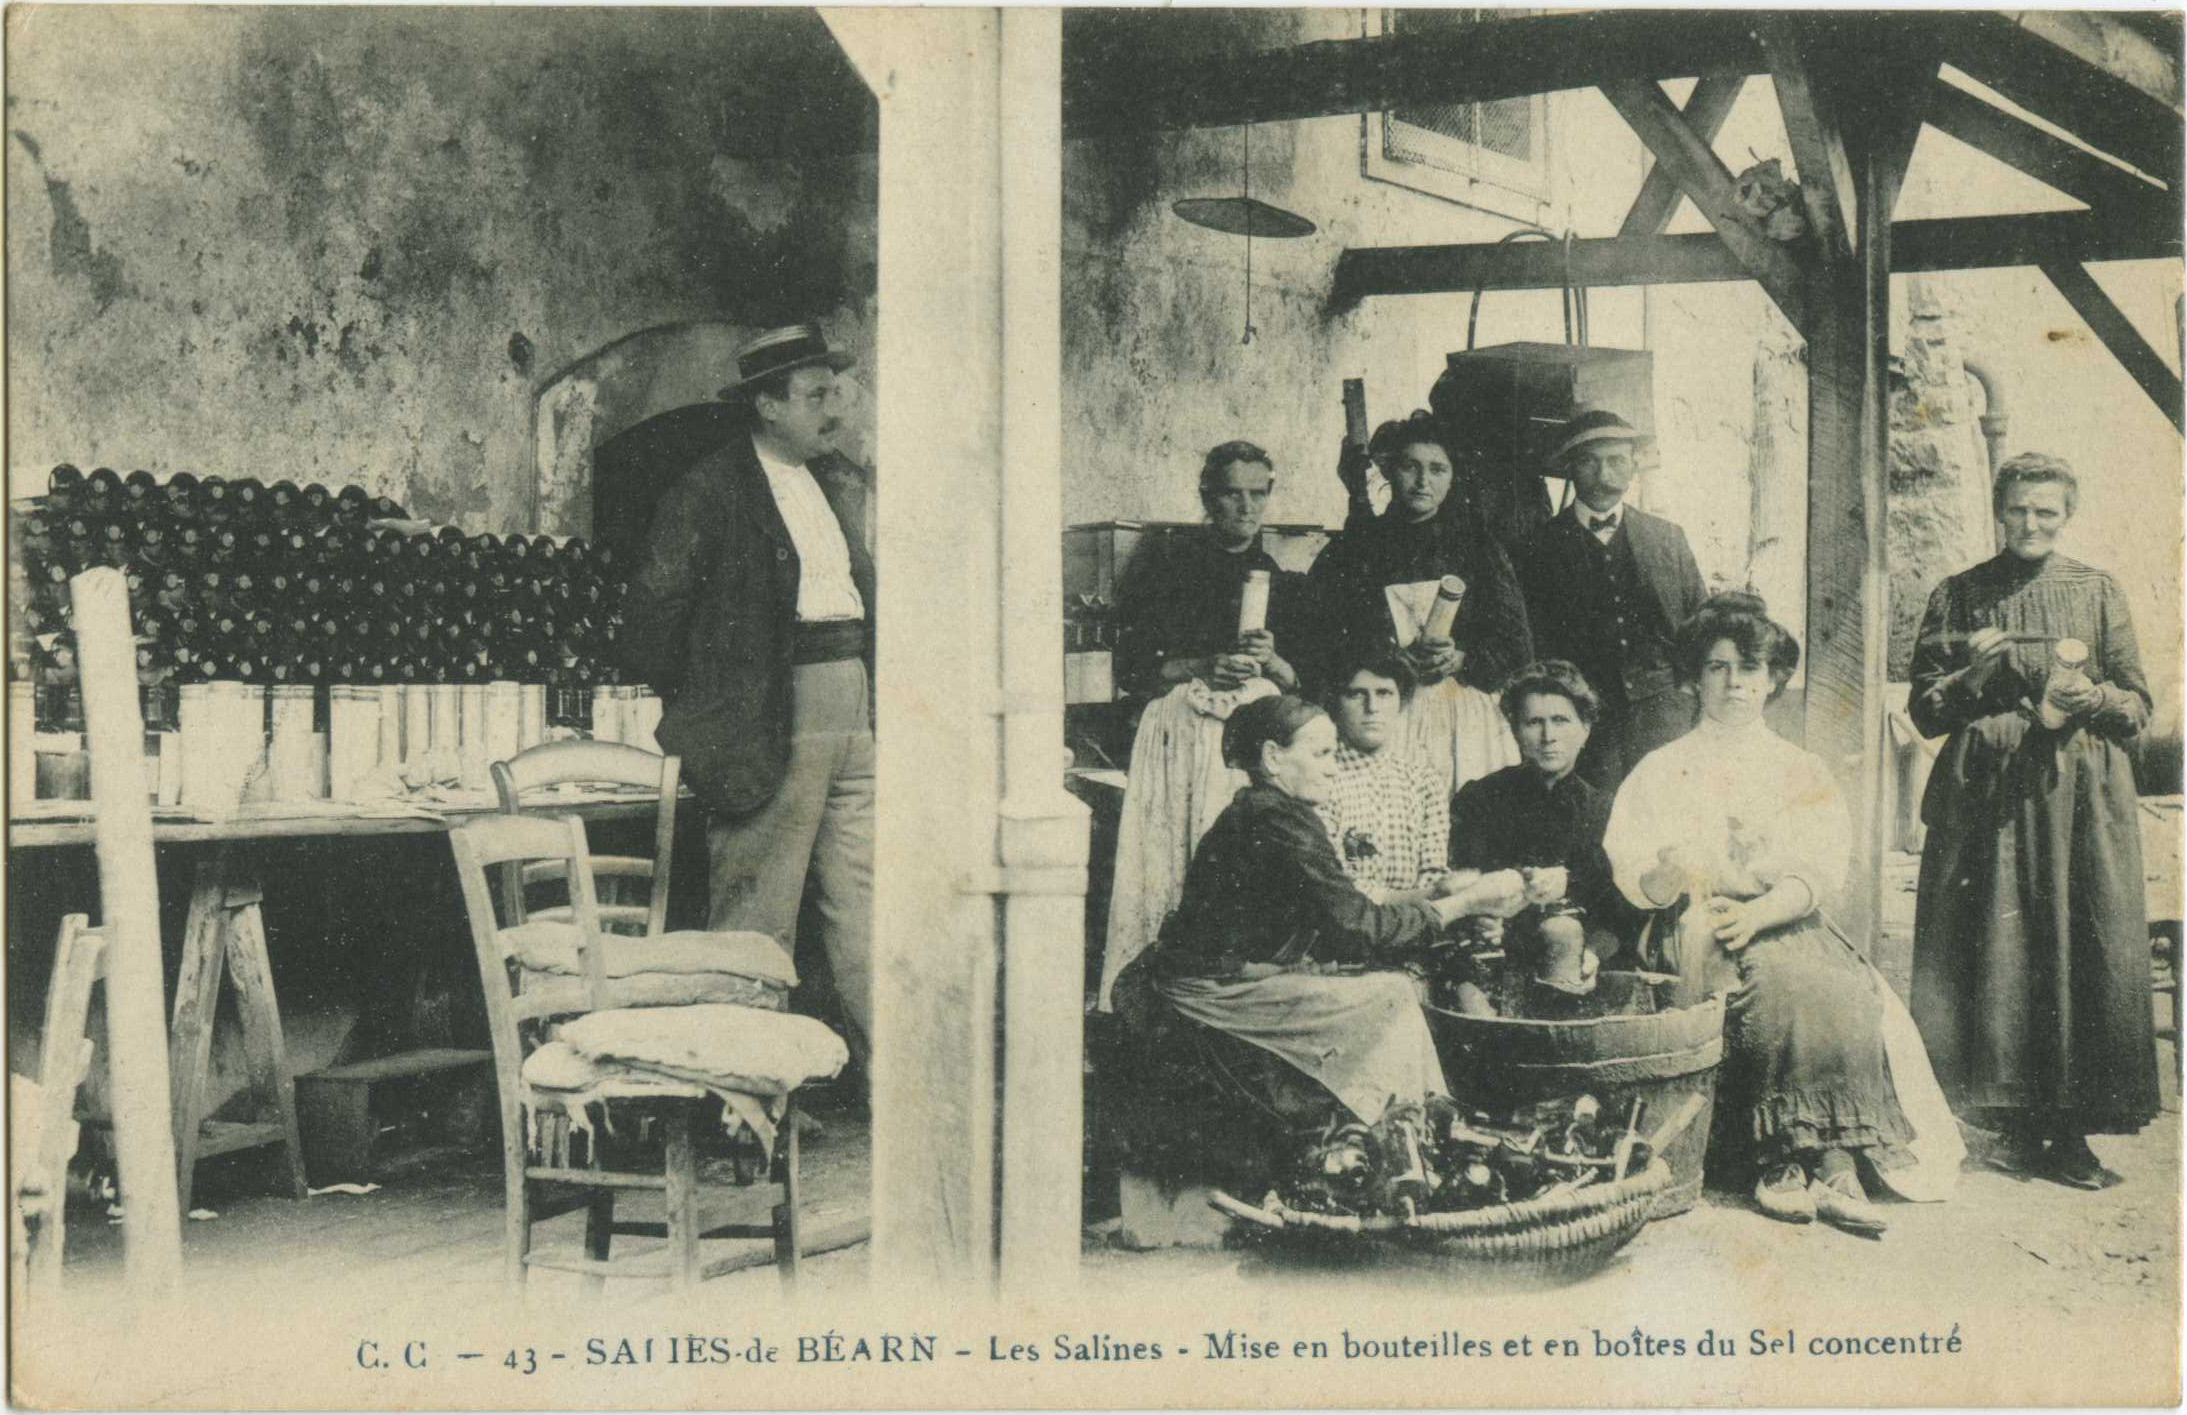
[
  {"x": 1804, "y": 1065},
  {"x": 2031, "y": 941}
]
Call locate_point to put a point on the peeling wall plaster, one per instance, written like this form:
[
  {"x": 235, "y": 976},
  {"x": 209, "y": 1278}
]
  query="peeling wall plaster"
[{"x": 334, "y": 245}]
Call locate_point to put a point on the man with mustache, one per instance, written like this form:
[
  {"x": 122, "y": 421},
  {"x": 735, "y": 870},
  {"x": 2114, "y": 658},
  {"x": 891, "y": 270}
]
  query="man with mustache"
[
  {"x": 1607, "y": 586},
  {"x": 751, "y": 612}
]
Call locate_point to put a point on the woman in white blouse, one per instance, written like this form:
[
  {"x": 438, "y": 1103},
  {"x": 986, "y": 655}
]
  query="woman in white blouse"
[{"x": 1736, "y": 836}]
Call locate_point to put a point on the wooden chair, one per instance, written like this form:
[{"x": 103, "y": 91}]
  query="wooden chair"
[
  {"x": 539, "y": 1190},
  {"x": 579, "y": 761},
  {"x": 41, "y": 1163},
  {"x": 631, "y": 894}
]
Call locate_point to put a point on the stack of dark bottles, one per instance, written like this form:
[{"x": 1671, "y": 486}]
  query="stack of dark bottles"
[{"x": 281, "y": 583}]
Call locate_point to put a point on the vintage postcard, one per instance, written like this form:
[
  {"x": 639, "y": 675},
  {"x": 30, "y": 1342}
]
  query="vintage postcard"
[{"x": 1013, "y": 708}]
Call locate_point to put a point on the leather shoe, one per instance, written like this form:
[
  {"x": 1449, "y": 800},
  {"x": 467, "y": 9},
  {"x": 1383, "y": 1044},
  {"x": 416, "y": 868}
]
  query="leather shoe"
[
  {"x": 1841, "y": 1202},
  {"x": 1783, "y": 1193},
  {"x": 2022, "y": 1153},
  {"x": 2072, "y": 1163}
]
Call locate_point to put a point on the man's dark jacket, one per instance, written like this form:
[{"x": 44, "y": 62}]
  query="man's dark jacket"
[
  {"x": 711, "y": 616},
  {"x": 1557, "y": 574}
]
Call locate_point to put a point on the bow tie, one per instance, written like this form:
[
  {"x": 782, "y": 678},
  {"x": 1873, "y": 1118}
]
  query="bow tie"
[{"x": 1599, "y": 524}]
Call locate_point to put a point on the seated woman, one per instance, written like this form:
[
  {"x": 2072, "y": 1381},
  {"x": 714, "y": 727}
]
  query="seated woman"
[
  {"x": 1262, "y": 1013},
  {"x": 1744, "y": 835},
  {"x": 1180, "y": 651},
  {"x": 1541, "y": 814},
  {"x": 1377, "y": 584},
  {"x": 1388, "y": 816}
]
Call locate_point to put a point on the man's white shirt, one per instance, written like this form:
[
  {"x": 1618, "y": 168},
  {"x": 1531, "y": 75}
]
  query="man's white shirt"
[{"x": 825, "y": 589}]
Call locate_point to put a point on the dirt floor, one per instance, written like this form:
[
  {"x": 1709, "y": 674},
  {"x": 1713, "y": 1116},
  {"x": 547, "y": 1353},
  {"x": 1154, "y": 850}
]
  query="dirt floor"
[
  {"x": 2022, "y": 1263},
  {"x": 423, "y": 1253},
  {"x": 284, "y": 1296},
  {"x": 2061, "y": 1251}
]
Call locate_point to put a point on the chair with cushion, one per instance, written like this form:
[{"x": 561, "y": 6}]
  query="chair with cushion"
[
  {"x": 658, "y": 967},
  {"x": 568, "y": 1060}
]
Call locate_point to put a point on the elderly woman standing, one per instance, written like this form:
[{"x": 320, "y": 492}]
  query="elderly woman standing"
[
  {"x": 2031, "y": 946},
  {"x": 1181, "y": 651},
  {"x": 1740, "y": 836},
  {"x": 1377, "y": 584}
]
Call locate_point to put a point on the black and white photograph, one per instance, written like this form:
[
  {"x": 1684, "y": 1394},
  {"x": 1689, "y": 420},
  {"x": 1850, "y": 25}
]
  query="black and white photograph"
[{"x": 761, "y": 707}]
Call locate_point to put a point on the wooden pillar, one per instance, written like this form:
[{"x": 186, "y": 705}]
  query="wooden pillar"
[
  {"x": 136, "y": 994},
  {"x": 1042, "y": 840},
  {"x": 980, "y": 854},
  {"x": 1848, "y": 363}
]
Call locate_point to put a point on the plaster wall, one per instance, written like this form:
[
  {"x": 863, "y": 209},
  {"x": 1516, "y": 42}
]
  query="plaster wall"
[
  {"x": 343, "y": 244},
  {"x": 351, "y": 244},
  {"x": 1155, "y": 372}
]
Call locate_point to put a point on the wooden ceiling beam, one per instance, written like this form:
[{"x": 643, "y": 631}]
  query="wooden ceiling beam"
[
  {"x": 1706, "y": 109},
  {"x": 1116, "y": 81},
  {"x": 2118, "y": 334},
  {"x": 2046, "y": 157},
  {"x": 2144, "y": 55},
  {"x": 2105, "y": 111},
  {"x": 1956, "y": 243},
  {"x": 1701, "y": 174}
]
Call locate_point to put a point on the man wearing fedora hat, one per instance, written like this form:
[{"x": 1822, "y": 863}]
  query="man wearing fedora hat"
[
  {"x": 750, "y": 612},
  {"x": 1606, "y": 587}
]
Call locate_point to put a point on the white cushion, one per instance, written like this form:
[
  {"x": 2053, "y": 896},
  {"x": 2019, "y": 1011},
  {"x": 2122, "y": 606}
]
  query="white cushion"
[
  {"x": 558, "y": 1066},
  {"x": 560, "y": 993},
  {"x": 549, "y": 946},
  {"x": 737, "y": 1048}
]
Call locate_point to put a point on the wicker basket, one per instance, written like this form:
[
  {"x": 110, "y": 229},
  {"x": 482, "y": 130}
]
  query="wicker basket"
[{"x": 1567, "y": 1234}]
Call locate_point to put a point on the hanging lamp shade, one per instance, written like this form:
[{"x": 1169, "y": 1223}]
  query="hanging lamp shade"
[{"x": 1243, "y": 216}]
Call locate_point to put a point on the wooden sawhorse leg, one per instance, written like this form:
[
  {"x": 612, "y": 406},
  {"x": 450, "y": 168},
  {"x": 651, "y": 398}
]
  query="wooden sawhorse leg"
[{"x": 226, "y": 933}]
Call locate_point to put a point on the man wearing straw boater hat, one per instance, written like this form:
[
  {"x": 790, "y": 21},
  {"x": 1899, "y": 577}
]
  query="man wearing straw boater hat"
[
  {"x": 1607, "y": 586},
  {"x": 751, "y": 613}
]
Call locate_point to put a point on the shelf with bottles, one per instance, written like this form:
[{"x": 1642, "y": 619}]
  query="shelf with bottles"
[
  {"x": 236, "y": 580},
  {"x": 275, "y": 589}
]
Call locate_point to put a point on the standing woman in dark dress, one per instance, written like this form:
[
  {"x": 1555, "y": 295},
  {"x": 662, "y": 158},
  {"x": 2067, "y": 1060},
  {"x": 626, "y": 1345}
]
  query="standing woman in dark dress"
[
  {"x": 1179, "y": 651},
  {"x": 2031, "y": 944},
  {"x": 1377, "y": 583}
]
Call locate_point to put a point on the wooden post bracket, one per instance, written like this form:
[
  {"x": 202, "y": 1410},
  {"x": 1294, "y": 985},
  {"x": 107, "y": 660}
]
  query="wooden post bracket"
[
  {"x": 1815, "y": 129},
  {"x": 1701, "y": 174},
  {"x": 2118, "y": 334},
  {"x": 1706, "y": 109}
]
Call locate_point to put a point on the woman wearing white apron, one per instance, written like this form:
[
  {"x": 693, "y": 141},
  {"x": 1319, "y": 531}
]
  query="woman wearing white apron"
[
  {"x": 1194, "y": 642},
  {"x": 1384, "y": 579}
]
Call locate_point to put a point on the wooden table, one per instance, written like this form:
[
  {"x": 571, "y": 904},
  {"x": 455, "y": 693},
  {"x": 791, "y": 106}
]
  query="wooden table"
[{"x": 225, "y": 935}]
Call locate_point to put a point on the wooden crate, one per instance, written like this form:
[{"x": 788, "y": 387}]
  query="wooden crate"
[{"x": 395, "y": 1112}]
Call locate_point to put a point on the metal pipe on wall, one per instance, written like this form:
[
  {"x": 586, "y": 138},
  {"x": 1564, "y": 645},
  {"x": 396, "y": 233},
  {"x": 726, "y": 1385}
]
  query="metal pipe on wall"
[{"x": 1995, "y": 417}]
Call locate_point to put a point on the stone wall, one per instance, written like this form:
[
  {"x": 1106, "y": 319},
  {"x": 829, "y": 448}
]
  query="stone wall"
[
  {"x": 1155, "y": 371},
  {"x": 343, "y": 244}
]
